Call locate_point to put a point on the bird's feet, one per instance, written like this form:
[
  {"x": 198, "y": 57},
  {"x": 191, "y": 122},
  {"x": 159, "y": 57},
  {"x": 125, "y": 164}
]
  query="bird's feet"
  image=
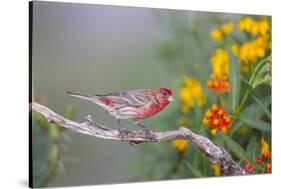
[
  {"x": 122, "y": 132},
  {"x": 149, "y": 134}
]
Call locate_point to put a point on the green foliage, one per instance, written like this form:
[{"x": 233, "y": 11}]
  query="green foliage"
[
  {"x": 46, "y": 144},
  {"x": 234, "y": 80},
  {"x": 234, "y": 147},
  {"x": 188, "y": 53},
  {"x": 193, "y": 169}
]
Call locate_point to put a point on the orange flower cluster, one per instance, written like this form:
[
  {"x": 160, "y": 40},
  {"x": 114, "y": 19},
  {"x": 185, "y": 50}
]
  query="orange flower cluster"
[
  {"x": 248, "y": 167},
  {"x": 264, "y": 165},
  {"x": 217, "y": 119},
  {"x": 263, "y": 161},
  {"x": 219, "y": 84}
]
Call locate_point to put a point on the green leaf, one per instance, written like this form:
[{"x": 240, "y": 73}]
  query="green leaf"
[
  {"x": 234, "y": 77},
  {"x": 263, "y": 106},
  {"x": 256, "y": 124},
  {"x": 253, "y": 148},
  {"x": 194, "y": 170},
  {"x": 261, "y": 73},
  {"x": 255, "y": 110},
  {"x": 234, "y": 147},
  {"x": 40, "y": 120}
]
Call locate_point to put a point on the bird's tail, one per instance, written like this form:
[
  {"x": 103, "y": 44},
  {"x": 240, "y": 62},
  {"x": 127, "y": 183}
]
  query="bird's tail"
[
  {"x": 79, "y": 95},
  {"x": 97, "y": 99}
]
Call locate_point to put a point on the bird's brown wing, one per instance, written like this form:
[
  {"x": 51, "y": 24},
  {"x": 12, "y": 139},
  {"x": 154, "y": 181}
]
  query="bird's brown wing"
[{"x": 131, "y": 98}]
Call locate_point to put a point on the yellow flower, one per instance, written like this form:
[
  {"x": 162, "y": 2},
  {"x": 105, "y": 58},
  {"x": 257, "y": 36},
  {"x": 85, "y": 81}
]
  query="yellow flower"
[
  {"x": 191, "y": 93},
  {"x": 180, "y": 144},
  {"x": 219, "y": 82},
  {"x": 219, "y": 33},
  {"x": 227, "y": 28},
  {"x": 254, "y": 27},
  {"x": 264, "y": 27},
  {"x": 220, "y": 62},
  {"x": 253, "y": 50},
  {"x": 216, "y": 35},
  {"x": 213, "y": 132},
  {"x": 216, "y": 170},
  {"x": 245, "y": 24},
  {"x": 183, "y": 121},
  {"x": 264, "y": 147}
]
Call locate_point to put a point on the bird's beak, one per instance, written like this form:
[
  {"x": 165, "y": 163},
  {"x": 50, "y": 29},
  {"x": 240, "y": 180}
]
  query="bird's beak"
[{"x": 171, "y": 98}]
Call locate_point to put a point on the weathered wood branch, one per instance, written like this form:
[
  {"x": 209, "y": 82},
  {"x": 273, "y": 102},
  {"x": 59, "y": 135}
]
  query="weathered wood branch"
[{"x": 213, "y": 152}]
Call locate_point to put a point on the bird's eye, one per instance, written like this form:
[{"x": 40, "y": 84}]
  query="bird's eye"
[{"x": 165, "y": 95}]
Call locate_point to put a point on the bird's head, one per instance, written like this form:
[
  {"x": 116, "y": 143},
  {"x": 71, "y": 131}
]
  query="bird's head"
[{"x": 165, "y": 96}]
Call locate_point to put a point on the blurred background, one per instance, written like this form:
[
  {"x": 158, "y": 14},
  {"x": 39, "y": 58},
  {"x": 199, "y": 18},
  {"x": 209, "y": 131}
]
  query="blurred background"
[{"x": 98, "y": 49}]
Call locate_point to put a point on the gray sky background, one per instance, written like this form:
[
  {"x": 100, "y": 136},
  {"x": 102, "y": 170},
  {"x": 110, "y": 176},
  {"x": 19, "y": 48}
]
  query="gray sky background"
[
  {"x": 95, "y": 49},
  {"x": 99, "y": 49}
]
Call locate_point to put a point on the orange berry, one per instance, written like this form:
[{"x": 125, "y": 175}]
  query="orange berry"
[
  {"x": 216, "y": 84},
  {"x": 265, "y": 155},
  {"x": 259, "y": 160}
]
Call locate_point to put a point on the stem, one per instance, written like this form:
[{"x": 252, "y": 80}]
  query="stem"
[
  {"x": 250, "y": 89},
  {"x": 243, "y": 101}
]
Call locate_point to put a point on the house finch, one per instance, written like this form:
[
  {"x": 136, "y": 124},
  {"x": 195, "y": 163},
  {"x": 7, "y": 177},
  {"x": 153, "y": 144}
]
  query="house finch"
[{"x": 135, "y": 105}]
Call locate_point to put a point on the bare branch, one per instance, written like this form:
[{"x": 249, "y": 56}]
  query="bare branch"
[{"x": 213, "y": 152}]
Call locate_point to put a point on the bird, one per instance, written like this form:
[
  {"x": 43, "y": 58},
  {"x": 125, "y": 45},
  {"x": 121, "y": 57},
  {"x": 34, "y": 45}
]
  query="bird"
[{"x": 134, "y": 105}]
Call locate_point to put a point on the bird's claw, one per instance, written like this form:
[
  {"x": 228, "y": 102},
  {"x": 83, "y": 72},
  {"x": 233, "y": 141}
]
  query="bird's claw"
[
  {"x": 121, "y": 132},
  {"x": 149, "y": 134}
]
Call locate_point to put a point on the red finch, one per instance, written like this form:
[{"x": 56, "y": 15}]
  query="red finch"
[{"x": 135, "y": 105}]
